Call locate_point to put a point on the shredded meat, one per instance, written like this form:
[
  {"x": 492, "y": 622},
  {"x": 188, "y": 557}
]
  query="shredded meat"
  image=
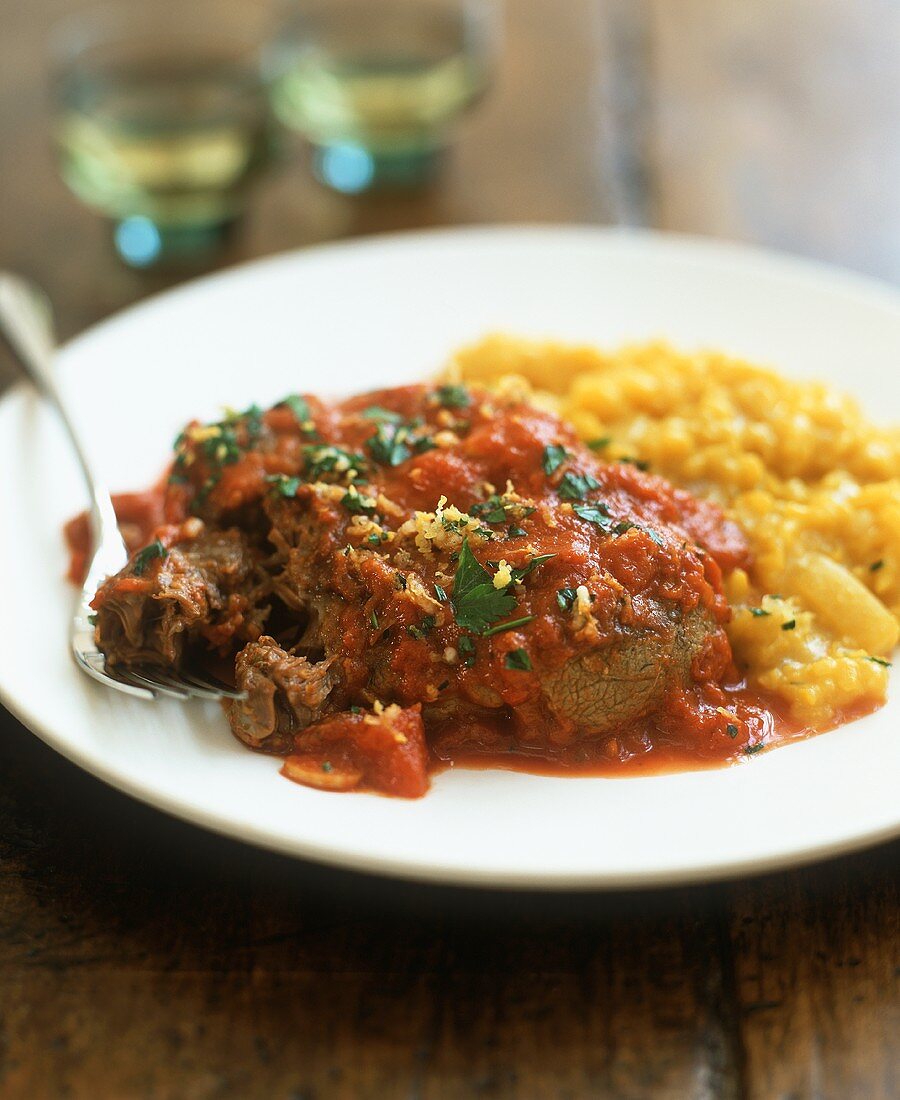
[
  {"x": 205, "y": 587},
  {"x": 285, "y": 694}
]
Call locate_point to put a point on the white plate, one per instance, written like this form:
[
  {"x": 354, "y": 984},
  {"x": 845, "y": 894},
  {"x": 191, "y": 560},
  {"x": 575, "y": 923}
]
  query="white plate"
[{"x": 353, "y": 316}]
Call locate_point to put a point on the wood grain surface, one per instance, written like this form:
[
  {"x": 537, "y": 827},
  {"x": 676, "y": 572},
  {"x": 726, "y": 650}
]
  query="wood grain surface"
[{"x": 140, "y": 957}]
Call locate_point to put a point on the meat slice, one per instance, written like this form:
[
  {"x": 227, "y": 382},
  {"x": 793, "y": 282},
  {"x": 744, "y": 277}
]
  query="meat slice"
[
  {"x": 285, "y": 693},
  {"x": 207, "y": 586}
]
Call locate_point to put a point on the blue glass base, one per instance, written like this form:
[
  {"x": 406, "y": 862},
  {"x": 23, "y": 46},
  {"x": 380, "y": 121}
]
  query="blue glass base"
[
  {"x": 144, "y": 243},
  {"x": 353, "y": 169}
]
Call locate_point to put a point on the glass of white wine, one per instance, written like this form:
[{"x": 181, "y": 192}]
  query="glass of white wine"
[
  {"x": 161, "y": 120},
  {"x": 376, "y": 85}
]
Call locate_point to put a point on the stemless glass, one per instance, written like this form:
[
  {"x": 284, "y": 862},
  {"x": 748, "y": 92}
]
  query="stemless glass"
[
  {"x": 375, "y": 85},
  {"x": 161, "y": 119}
]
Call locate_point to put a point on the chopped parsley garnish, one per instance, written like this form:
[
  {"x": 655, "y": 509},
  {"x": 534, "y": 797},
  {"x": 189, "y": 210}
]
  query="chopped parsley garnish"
[
  {"x": 145, "y": 556},
  {"x": 388, "y": 445},
  {"x": 327, "y": 766},
  {"x": 516, "y": 532},
  {"x": 441, "y": 593},
  {"x": 400, "y": 581},
  {"x": 880, "y": 661},
  {"x": 512, "y": 624},
  {"x": 655, "y": 536},
  {"x": 751, "y": 749},
  {"x": 637, "y": 462},
  {"x": 566, "y": 598},
  {"x": 789, "y": 625},
  {"x": 357, "y": 504},
  {"x": 876, "y": 565},
  {"x": 518, "y": 659},
  {"x": 375, "y": 539},
  {"x": 466, "y": 648},
  {"x": 476, "y": 602},
  {"x": 759, "y": 612},
  {"x": 596, "y": 513},
  {"x": 222, "y": 447},
  {"x": 285, "y": 486},
  {"x": 576, "y": 486},
  {"x": 497, "y": 510},
  {"x": 383, "y": 416},
  {"x": 453, "y": 396},
  {"x": 732, "y": 730},
  {"x": 599, "y": 443},
  {"x": 554, "y": 457},
  {"x": 299, "y": 406},
  {"x": 537, "y": 560},
  {"x": 356, "y": 710},
  {"x": 622, "y": 526},
  {"x": 92, "y": 619},
  {"x": 421, "y": 629},
  {"x": 373, "y": 619},
  {"x": 491, "y": 510},
  {"x": 327, "y": 459}
]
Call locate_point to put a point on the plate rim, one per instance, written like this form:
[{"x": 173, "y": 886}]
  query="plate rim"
[{"x": 837, "y": 279}]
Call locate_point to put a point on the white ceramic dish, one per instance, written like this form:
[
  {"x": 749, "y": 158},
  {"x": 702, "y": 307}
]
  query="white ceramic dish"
[{"x": 354, "y": 316}]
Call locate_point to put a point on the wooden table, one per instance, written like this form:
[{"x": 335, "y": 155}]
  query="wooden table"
[{"x": 143, "y": 958}]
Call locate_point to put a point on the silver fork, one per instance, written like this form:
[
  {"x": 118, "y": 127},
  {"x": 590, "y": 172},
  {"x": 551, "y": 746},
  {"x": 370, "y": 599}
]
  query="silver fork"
[{"x": 25, "y": 322}]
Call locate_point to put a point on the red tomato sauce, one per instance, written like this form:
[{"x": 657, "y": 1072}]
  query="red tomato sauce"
[{"x": 649, "y": 557}]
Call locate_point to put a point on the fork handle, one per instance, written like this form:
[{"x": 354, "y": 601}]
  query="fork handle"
[{"x": 25, "y": 322}]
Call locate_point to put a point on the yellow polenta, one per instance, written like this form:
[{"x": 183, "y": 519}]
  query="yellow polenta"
[{"x": 815, "y": 486}]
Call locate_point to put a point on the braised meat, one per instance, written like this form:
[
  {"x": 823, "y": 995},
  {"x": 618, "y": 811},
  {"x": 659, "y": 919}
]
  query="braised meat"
[
  {"x": 435, "y": 566},
  {"x": 189, "y": 585}
]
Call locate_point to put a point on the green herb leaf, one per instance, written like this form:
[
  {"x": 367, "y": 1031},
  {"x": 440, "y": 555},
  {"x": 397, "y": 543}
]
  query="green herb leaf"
[
  {"x": 600, "y": 443},
  {"x": 421, "y": 629},
  {"x": 357, "y": 504},
  {"x": 285, "y": 486},
  {"x": 454, "y": 396},
  {"x": 655, "y": 536},
  {"x": 537, "y": 560},
  {"x": 476, "y": 602},
  {"x": 512, "y": 624},
  {"x": 466, "y": 648},
  {"x": 517, "y": 532},
  {"x": 143, "y": 558},
  {"x": 731, "y": 730},
  {"x": 388, "y": 446},
  {"x": 518, "y": 659},
  {"x": 385, "y": 416},
  {"x": 327, "y": 459},
  {"x": 751, "y": 749},
  {"x": 638, "y": 462},
  {"x": 576, "y": 486},
  {"x": 554, "y": 457},
  {"x": 880, "y": 661},
  {"x": 876, "y": 565},
  {"x": 566, "y": 598},
  {"x": 759, "y": 612},
  {"x": 789, "y": 625},
  {"x": 298, "y": 405},
  {"x": 441, "y": 593},
  {"x": 596, "y": 513},
  {"x": 356, "y": 710}
]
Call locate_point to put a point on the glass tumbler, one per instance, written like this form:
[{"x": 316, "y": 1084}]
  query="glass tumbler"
[
  {"x": 161, "y": 120},
  {"x": 376, "y": 85}
]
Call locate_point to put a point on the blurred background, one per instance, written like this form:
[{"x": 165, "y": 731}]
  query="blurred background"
[{"x": 775, "y": 123}]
